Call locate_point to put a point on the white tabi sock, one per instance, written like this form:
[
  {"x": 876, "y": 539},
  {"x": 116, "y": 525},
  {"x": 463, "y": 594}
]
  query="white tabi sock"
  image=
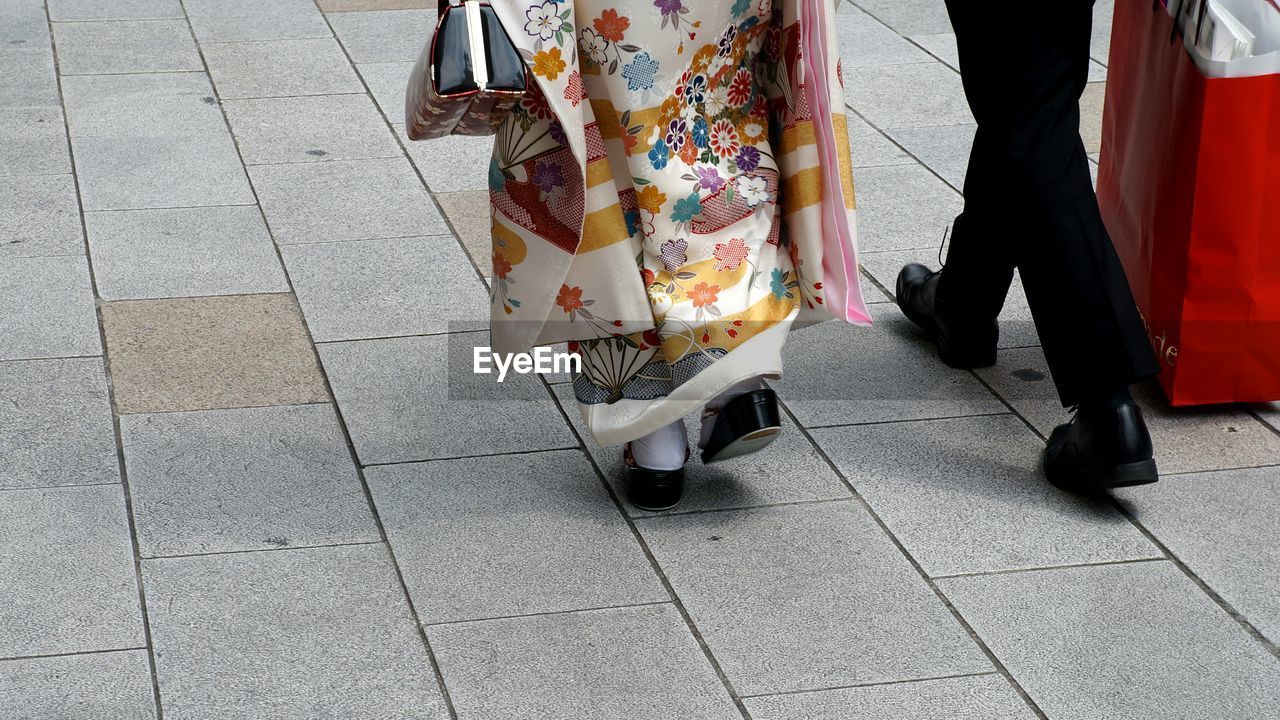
[{"x": 662, "y": 449}]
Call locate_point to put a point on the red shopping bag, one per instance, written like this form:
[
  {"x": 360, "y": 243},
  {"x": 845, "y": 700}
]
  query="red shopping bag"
[{"x": 1189, "y": 186}]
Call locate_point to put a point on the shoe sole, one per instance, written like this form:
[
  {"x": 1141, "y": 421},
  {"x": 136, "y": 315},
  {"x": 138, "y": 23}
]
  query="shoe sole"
[
  {"x": 745, "y": 445},
  {"x": 1143, "y": 472},
  {"x": 655, "y": 509}
]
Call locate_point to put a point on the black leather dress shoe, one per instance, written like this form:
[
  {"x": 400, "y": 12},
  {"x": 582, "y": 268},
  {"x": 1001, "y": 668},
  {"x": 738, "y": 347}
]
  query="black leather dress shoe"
[
  {"x": 1100, "y": 449},
  {"x": 652, "y": 490},
  {"x": 744, "y": 425},
  {"x": 975, "y": 347}
]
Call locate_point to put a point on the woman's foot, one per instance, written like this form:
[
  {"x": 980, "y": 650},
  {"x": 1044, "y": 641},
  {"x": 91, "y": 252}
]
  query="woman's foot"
[
  {"x": 742, "y": 420},
  {"x": 655, "y": 468}
]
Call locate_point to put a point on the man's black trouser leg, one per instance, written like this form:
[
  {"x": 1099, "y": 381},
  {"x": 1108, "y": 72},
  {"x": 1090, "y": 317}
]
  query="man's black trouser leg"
[{"x": 1029, "y": 202}]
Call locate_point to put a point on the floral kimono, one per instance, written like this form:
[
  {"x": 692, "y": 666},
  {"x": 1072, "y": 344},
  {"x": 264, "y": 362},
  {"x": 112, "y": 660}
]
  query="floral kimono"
[{"x": 655, "y": 199}]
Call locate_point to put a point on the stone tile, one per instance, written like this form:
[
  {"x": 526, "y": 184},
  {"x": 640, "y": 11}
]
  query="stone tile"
[
  {"x": 39, "y": 217},
  {"x": 280, "y": 68},
  {"x": 470, "y": 215},
  {"x": 68, "y": 573},
  {"x": 639, "y": 663},
  {"x": 922, "y": 94},
  {"x": 1017, "y": 329},
  {"x": 870, "y": 148},
  {"x": 1185, "y": 439},
  {"x": 147, "y": 105},
  {"x": 132, "y": 173},
  {"x": 125, "y": 46},
  {"x": 69, "y": 10},
  {"x": 910, "y": 17},
  {"x": 310, "y": 129},
  {"x": 35, "y": 141},
  {"x": 966, "y": 495},
  {"x": 1100, "y": 44},
  {"x": 57, "y": 424},
  {"x": 215, "y": 21},
  {"x": 1222, "y": 525},
  {"x": 1143, "y": 621},
  {"x": 197, "y": 480},
  {"x": 449, "y": 523},
  {"x": 387, "y": 82},
  {"x": 23, "y": 25},
  {"x": 386, "y": 36},
  {"x": 49, "y": 309},
  {"x": 383, "y": 288},
  {"x": 141, "y": 254},
  {"x": 944, "y": 149},
  {"x": 941, "y": 46},
  {"x": 208, "y": 353},
  {"x": 903, "y": 207},
  {"x": 1091, "y": 103},
  {"x": 113, "y": 685},
  {"x": 416, "y": 398},
  {"x": 345, "y": 200},
  {"x": 358, "y": 5},
  {"x": 804, "y": 597},
  {"x": 453, "y": 164},
  {"x": 790, "y": 470},
  {"x": 864, "y": 41},
  {"x": 837, "y": 374},
  {"x": 982, "y": 697},
  {"x": 288, "y": 635},
  {"x": 28, "y": 79}
]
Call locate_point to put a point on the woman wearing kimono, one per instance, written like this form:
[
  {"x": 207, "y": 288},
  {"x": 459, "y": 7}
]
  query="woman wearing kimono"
[{"x": 657, "y": 201}]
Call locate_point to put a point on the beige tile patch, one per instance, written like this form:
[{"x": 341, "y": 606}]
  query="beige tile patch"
[
  {"x": 468, "y": 212},
  {"x": 210, "y": 352},
  {"x": 351, "y": 5},
  {"x": 1091, "y": 102}
]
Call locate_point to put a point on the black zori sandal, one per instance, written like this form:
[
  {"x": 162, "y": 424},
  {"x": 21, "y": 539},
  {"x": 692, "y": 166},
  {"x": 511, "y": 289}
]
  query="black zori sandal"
[
  {"x": 652, "y": 490},
  {"x": 744, "y": 425}
]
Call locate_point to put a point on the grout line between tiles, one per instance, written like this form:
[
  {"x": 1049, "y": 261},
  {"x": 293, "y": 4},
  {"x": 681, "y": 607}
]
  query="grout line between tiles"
[
  {"x": 266, "y": 40},
  {"x": 175, "y": 207},
  {"x": 906, "y": 420},
  {"x": 653, "y": 561},
  {"x": 114, "y": 74},
  {"x": 738, "y": 508},
  {"x": 519, "y": 616},
  {"x": 910, "y": 681},
  {"x": 251, "y": 551},
  {"x": 52, "y": 358},
  {"x": 509, "y": 453},
  {"x": 117, "y": 437},
  {"x": 42, "y": 656},
  {"x": 1044, "y": 568},
  {"x": 55, "y": 487}
]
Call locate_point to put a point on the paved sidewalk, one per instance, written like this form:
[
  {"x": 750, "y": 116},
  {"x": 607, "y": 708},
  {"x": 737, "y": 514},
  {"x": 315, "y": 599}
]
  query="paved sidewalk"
[{"x": 238, "y": 482}]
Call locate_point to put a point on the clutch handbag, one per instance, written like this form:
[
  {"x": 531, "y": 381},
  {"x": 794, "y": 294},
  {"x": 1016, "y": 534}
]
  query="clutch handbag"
[{"x": 468, "y": 76}]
